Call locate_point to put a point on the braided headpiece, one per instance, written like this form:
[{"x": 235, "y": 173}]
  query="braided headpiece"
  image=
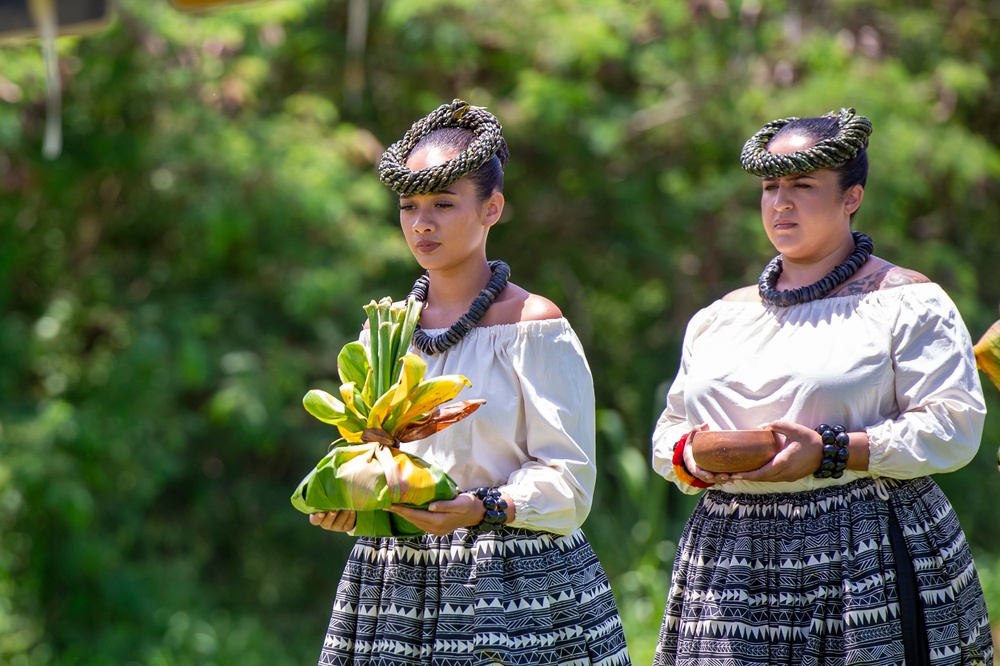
[
  {"x": 392, "y": 169},
  {"x": 850, "y": 139}
]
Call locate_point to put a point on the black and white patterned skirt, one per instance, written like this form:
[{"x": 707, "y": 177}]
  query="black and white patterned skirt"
[
  {"x": 508, "y": 597},
  {"x": 810, "y": 579}
]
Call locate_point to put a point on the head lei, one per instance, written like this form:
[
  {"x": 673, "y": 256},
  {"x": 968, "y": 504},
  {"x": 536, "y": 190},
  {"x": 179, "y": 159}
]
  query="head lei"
[
  {"x": 392, "y": 169},
  {"x": 851, "y": 138}
]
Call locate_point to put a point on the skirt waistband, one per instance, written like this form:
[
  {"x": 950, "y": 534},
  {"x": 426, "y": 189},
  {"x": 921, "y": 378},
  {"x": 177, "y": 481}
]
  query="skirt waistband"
[{"x": 818, "y": 501}]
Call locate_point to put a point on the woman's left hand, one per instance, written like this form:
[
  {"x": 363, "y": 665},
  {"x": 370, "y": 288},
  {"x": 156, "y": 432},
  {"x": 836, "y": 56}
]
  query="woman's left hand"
[
  {"x": 800, "y": 454},
  {"x": 444, "y": 516},
  {"x": 335, "y": 521}
]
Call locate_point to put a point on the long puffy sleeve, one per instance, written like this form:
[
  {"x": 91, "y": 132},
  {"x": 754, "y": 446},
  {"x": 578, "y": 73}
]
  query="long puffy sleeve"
[
  {"x": 534, "y": 438},
  {"x": 554, "y": 489},
  {"x": 673, "y": 422},
  {"x": 937, "y": 390},
  {"x": 896, "y": 363}
]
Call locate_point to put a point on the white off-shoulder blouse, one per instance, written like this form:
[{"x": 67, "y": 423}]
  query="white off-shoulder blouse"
[
  {"x": 897, "y": 364},
  {"x": 534, "y": 437}
]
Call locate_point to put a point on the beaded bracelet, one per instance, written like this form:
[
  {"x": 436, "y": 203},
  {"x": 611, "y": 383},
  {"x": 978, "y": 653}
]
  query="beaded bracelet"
[
  {"x": 835, "y": 441},
  {"x": 496, "y": 510},
  {"x": 681, "y": 471}
]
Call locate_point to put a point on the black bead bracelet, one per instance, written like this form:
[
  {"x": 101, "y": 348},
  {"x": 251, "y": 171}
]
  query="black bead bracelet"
[
  {"x": 496, "y": 510},
  {"x": 835, "y": 441}
]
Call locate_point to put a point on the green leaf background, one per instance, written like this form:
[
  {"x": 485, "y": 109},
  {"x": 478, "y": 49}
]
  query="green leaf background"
[{"x": 197, "y": 256}]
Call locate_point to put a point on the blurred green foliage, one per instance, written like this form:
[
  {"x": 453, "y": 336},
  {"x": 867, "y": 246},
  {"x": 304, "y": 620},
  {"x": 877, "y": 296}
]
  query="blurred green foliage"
[{"x": 175, "y": 281}]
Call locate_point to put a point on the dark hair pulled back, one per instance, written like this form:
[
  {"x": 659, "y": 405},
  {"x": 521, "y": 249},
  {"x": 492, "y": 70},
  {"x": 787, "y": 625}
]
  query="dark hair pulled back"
[
  {"x": 852, "y": 172},
  {"x": 489, "y": 177}
]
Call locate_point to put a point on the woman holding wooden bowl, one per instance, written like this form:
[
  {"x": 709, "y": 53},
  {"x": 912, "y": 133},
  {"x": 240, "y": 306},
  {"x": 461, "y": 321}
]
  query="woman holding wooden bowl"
[{"x": 814, "y": 407}]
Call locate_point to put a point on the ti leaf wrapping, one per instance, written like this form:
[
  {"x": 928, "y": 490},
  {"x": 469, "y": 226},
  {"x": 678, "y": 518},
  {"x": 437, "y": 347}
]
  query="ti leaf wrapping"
[
  {"x": 383, "y": 401},
  {"x": 370, "y": 476},
  {"x": 987, "y": 352}
]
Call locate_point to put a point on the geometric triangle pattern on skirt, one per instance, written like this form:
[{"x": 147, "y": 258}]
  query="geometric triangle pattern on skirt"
[
  {"x": 809, "y": 579},
  {"x": 512, "y": 596}
]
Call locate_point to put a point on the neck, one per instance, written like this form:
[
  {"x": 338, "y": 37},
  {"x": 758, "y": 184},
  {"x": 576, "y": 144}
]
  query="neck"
[
  {"x": 454, "y": 288},
  {"x": 464, "y": 322},
  {"x": 798, "y": 272}
]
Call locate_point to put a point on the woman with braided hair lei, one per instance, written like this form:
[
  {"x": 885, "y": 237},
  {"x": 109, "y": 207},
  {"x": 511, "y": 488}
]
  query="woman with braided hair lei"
[
  {"x": 841, "y": 549},
  {"x": 504, "y": 574}
]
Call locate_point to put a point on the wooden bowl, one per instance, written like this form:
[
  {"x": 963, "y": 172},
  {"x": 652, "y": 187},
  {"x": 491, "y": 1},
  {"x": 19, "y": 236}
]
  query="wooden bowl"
[{"x": 733, "y": 450}]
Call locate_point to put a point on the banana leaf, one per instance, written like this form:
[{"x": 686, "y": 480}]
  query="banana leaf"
[
  {"x": 382, "y": 524},
  {"x": 369, "y": 477},
  {"x": 988, "y": 353}
]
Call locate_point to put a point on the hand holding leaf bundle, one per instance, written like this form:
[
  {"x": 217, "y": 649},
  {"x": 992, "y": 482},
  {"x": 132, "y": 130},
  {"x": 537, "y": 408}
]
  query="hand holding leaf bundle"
[{"x": 384, "y": 400}]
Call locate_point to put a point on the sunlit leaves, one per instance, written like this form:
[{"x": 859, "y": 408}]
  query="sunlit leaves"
[{"x": 197, "y": 254}]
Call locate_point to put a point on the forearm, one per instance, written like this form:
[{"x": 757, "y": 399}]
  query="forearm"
[{"x": 858, "y": 452}]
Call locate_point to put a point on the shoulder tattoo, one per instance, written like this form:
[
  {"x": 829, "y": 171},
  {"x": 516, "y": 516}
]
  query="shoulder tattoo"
[
  {"x": 897, "y": 277},
  {"x": 887, "y": 277},
  {"x": 864, "y": 284}
]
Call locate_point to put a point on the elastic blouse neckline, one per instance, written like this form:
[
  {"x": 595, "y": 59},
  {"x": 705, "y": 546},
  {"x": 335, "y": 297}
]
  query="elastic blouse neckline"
[
  {"x": 899, "y": 291},
  {"x": 496, "y": 329}
]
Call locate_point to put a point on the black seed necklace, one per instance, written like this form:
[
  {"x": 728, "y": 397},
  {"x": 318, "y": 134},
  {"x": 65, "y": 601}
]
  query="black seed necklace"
[
  {"x": 863, "y": 247},
  {"x": 435, "y": 344}
]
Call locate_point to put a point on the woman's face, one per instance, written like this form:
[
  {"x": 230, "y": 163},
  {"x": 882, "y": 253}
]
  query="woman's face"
[
  {"x": 446, "y": 228},
  {"x": 806, "y": 216}
]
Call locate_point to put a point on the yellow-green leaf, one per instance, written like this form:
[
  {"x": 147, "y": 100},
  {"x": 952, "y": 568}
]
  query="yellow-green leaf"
[
  {"x": 352, "y": 400},
  {"x": 353, "y": 433},
  {"x": 325, "y": 407},
  {"x": 430, "y": 393},
  {"x": 411, "y": 374},
  {"x": 380, "y": 410},
  {"x": 385, "y": 360},
  {"x": 413, "y": 309},
  {"x": 352, "y": 363},
  {"x": 987, "y": 352},
  {"x": 368, "y": 392}
]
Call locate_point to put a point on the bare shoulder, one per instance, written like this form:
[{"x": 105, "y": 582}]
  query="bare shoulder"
[
  {"x": 878, "y": 275},
  {"x": 897, "y": 276},
  {"x": 538, "y": 308},
  {"x": 748, "y": 294},
  {"x": 516, "y": 304}
]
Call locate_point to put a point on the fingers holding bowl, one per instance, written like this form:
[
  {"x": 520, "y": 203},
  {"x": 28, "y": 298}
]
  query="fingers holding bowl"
[{"x": 733, "y": 451}]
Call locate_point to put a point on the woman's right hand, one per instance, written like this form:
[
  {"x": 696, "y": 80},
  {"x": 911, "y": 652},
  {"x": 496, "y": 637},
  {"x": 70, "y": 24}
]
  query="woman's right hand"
[
  {"x": 800, "y": 454},
  {"x": 335, "y": 521},
  {"x": 698, "y": 472}
]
